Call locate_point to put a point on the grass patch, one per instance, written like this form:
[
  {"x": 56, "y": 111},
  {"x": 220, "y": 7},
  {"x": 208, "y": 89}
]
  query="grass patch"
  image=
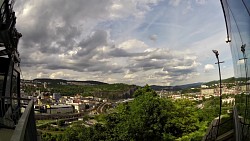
[
  {"x": 40, "y": 122},
  {"x": 51, "y": 132}
]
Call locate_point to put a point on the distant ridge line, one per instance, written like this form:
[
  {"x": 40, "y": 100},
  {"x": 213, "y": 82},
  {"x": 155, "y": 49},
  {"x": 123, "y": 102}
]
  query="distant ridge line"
[{"x": 49, "y": 80}]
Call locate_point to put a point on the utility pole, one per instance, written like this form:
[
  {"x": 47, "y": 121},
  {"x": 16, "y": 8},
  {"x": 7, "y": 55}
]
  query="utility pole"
[
  {"x": 218, "y": 62},
  {"x": 246, "y": 81}
]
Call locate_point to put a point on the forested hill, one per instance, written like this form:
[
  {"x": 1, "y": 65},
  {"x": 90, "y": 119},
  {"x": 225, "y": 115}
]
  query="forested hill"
[
  {"x": 228, "y": 80},
  {"x": 84, "y": 88},
  {"x": 62, "y": 81},
  {"x": 195, "y": 85},
  {"x": 92, "y": 82},
  {"x": 176, "y": 88}
]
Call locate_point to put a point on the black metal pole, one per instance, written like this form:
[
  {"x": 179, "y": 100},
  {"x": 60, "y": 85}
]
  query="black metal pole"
[
  {"x": 246, "y": 83},
  {"x": 220, "y": 96},
  {"x": 246, "y": 70},
  {"x": 218, "y": 63}
]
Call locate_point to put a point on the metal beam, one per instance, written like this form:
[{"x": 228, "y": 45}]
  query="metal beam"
[{"x": 3, "y": 52}]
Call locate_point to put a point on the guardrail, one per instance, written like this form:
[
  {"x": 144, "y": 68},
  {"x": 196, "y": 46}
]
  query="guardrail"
[
  {"x": 10, "y": 110},
  {"x": 26, "y": 127},
  {"x": 215, "y": 129},
  {"x": 237, "y": 125},
  {"x": 23, "y": 124},
  {"x": 211, "y": 131}
]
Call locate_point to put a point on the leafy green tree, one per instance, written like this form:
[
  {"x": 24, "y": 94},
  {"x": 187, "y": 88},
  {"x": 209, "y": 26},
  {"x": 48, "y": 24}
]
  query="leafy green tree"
[
  {"x": 148, "y": 118},
  {"x": 71, "y": 134},
  {"x": 186, "y": 118},
  {"x": 144, "y": 90}
]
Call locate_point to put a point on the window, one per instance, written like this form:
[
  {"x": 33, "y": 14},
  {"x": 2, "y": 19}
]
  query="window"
[
  {"x": 14, "y": 87},
  {"x": 1, "y": 83}
]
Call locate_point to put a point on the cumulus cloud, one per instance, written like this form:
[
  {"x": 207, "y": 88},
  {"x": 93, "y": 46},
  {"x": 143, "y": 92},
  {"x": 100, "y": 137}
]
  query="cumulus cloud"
[
  {"x": 40, "y": 75},
  {"x": 111, "y": 80},
  {"x": 133, "y": 45},
  {"x": 130, "y": 76},
  {"x": 136, "y": 8},
  {"x": 53, "y": 29},
  {"x": 208, "y": 67},
  {"x": 59, "y": 74},
  {"x": 62, "y": 40}
]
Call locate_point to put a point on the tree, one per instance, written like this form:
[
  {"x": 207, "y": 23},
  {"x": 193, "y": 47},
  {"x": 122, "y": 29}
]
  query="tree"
[
  {"x": 185, "y": 118},
  {"x": 71, "y": 134},
  {"x": 144, "y": 90},
  {"x": 142, "y": 119},
  {"x": 60, "y": 122},
  {"x": 148, "y": 117}
]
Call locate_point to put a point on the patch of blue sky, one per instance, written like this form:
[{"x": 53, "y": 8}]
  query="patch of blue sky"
[
  {"x": 119, "y": 29},
  {"x": 172, "y": 26},
  {"x": 198, "y": 28}
]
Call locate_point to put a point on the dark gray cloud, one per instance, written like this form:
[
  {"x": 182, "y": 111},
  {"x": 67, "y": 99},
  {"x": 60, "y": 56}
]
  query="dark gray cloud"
[
  {"x": 117, "y": 52},
  {"x": 60, "y": 39},
  {"x": 88, "y": 46},
  {"x": 147, "y": 64},
  {"x": 56, "y": 26}
]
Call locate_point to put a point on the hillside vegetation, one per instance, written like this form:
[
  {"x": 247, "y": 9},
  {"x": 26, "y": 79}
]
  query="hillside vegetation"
[{"x": 110, "y": 91}]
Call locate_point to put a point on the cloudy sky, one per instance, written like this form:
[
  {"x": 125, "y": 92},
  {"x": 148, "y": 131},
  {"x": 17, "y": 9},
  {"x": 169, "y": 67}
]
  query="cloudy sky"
[{"x": 164, "y": 42}]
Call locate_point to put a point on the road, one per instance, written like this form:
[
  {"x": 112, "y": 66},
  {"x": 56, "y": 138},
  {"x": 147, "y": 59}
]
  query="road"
[{"x": 100, "y": 108}]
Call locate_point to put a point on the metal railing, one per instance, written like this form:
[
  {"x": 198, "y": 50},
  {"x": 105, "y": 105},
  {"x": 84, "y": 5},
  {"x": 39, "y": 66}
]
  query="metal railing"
[
  {"x": 10, "y": 110},
  {"x": 26, "y": 127},
  {"x": 213, "y": 131},
  {"x": 237, "y": 125},
  {"x": 18, "y": 114}
]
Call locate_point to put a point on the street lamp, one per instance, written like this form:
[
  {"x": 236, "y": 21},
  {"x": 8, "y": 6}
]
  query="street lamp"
[
  {"x": 218, "y": 62},
  {"x": 246, "y": 71},
  {"x": 245, "y": 62},
  {"x": 228, "y": 40}
]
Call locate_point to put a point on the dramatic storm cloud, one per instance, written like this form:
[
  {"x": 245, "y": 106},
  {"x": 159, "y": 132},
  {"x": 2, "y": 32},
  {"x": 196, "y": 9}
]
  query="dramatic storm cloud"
[{"x": 115, "y": 41}]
